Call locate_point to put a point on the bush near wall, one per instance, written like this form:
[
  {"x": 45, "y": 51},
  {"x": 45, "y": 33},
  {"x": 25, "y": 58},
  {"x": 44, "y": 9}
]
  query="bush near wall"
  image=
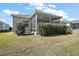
[
  {"x": 20, "y": 29},
  {"x": 47, "y": 29},
  {"x": 69, "y": 30}
]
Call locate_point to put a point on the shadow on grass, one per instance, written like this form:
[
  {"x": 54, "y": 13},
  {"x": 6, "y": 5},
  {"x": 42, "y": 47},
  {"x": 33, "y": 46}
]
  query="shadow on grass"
[
  {"x": 56, "y": 35},
  {"x": 45, "y": 35},
  {"x": 25, "y": 35},
  {"x": 5, "y": 31}
]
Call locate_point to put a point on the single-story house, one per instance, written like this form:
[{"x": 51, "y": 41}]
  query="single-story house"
[
  {"x": 66, "y": 22},
  {"x": 4, "y": 26},
  {"x": 34, "y": 19},
  {"x": 75, "y": 24}
]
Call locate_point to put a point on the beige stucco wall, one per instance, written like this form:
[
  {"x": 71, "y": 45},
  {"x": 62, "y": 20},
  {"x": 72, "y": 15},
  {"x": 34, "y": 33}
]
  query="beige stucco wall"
[
  {"x": 1, "y": 26},
  {"x": 34, "y": 23},
  {"x": 18, "y": 20},
  {"x": 76, "y": 26},
  {"x": 4, "y": 26}
]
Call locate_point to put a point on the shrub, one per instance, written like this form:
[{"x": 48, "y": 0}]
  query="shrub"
[
  {"x": 47, "y": 29},
  {"x": 69, "y": 30},
  {"x": 10, "y": 28},
  {"x": 20, "y": 29}
]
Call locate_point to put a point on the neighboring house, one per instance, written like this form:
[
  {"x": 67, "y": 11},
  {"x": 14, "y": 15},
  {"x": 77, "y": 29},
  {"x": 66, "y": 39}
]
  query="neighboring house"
[
  {"x": 4, "y": 26},
  {"x": 66, "y": 22},
  {"x": 75, "y": 24},
  {"x": 34, "y": 19}
]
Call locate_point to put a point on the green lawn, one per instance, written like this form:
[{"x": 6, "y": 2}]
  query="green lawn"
[{"x": 11, "y": 44}]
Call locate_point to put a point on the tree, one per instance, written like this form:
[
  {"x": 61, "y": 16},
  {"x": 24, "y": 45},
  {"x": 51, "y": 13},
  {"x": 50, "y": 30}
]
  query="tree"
[{"x": 10, "y": 28}]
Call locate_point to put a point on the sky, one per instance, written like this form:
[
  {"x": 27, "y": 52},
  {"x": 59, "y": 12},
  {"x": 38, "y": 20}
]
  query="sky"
[{"x": 69, "y": 11}]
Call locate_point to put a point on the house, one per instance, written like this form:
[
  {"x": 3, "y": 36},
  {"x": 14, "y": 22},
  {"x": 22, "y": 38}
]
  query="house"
[
  {"x": 75, "y": 24},
  {"x": 66, "y": 22},
  {"x": 4, "y": 26},
  {"x": 34, "y": 19}
]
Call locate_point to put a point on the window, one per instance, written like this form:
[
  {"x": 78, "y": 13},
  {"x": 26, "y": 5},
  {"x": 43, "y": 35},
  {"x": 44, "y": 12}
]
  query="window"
[
  {"x": 43, "y": 20},
  {"x": 26, "y": 23},
  {"x": 55, "y": 20}
]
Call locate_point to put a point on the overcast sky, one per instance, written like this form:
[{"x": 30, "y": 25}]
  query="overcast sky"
[{"x": 69, "y": 11}]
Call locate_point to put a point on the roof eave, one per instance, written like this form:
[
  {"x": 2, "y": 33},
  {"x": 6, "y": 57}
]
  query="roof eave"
[{"x": 36, "y": 11}]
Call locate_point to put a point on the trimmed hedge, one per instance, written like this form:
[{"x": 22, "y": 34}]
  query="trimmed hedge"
[
  {"x": 69, "y": 30},
  {"x": 47, "y": 29}
]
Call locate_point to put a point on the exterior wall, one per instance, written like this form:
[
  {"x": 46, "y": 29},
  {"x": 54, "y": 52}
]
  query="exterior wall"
[
  {"x": 35, "y": 20},
  {"x": 1, "y": 26},
  {"x": 34, "y": 23},
  {"x": 76, "y": 26},
  {"x": 55, "y": 21},
  {"x": 49, "y": 20},
  {"x": 28, "y": 29},
  {"x": 4, "y": 26},
  {"x": 17, "y": 20}
]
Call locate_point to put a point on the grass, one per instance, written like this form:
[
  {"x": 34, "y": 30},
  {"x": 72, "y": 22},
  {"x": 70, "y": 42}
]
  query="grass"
[{"x": 30, "y": 45}]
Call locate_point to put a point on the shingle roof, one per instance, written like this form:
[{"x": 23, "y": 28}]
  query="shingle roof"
[
  {"x": 21, "y": 15},
  {"x": 75, "y": 21},
  {"x": 37, "y": 11},
  {"x": 4, "y": 22}
]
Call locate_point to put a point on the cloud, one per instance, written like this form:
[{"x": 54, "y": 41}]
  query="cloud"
[
  {"x": 54, "y": 11},
  {"x": 60, "y": 13},
  {"x": 44, "y": 8},
  {"x": 41, "y": 6},
  {"x": 50, "y": 8},
  {"x": 38, "y": 6},
  {"x": 34, "y": 1},
  {"x": 9, "y": 12},
  {"x": 57, "y": 12},
  {"x": 3, "y": 21},
  {"x": 28, "y": 7},
  {"x": 19, "y": 4},
  {"x": 53, "y": 6},
  {"x": 69, "y": 19}
]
